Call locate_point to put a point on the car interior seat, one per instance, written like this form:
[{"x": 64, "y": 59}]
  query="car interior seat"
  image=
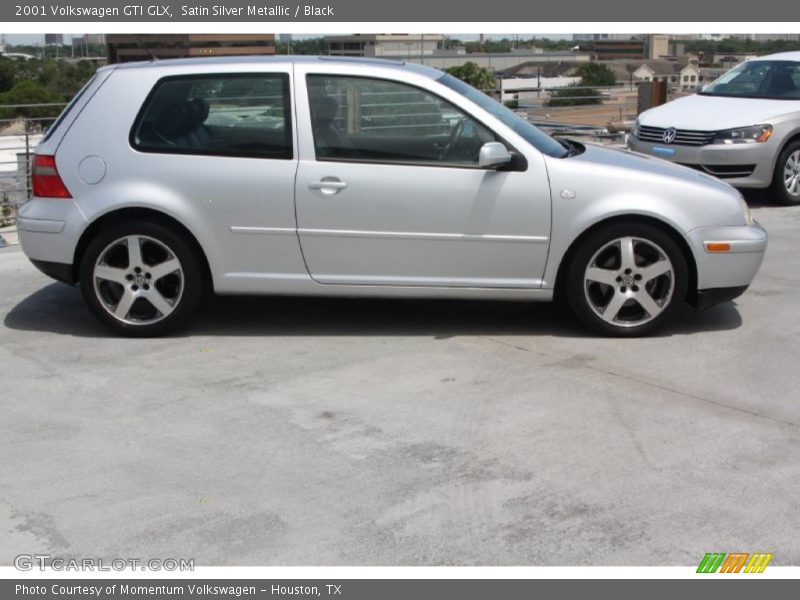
[
  {"x": 780, "y": 84},
  {"x": 327, "y": 136}
]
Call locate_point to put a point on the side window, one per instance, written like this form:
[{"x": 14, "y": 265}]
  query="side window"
[
  {"x": 357, "y": 118},
  {"x": 223, "y": 115}
]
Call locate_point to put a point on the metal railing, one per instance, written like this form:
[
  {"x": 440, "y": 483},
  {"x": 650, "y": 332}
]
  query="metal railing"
[
  {"x": 18, "y": 138},
  {"x": 604, "y": 113}
]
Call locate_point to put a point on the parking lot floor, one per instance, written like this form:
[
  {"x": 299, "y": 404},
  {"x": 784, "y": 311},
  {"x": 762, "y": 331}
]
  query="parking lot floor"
[{"x": 280, "y": 431}]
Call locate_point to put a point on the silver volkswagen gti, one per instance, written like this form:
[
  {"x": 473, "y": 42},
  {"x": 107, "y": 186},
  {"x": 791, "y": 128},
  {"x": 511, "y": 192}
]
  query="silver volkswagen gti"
[{"x": 341, "y": 177}]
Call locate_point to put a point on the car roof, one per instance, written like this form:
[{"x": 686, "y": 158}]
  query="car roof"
[
  {"x": 795, "y": 56},
  {"x": 278, "y": 60}
]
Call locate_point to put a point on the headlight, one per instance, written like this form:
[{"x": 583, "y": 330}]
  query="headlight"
[
  {"x": 748, "y": 218},
  {"x": 635, "y": 129},
  {"x": 744, "y": 135}
]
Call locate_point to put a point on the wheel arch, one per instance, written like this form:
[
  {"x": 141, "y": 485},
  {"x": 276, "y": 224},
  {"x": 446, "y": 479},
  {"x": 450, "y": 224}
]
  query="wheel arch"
[
  {"x": 794, "y": 136},
  {"x": 129, "y": 213},
  {"x": 691, "y": 263}
]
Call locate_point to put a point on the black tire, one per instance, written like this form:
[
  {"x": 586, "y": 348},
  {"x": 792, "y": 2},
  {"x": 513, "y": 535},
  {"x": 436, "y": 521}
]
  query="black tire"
[
  {"x": 183, "y": 289},
  {"x": 650, "y": 244},
  {"x": 779, "y": 191}
]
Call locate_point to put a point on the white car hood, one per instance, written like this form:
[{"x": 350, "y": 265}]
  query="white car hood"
[
  {"x": 645, "y": 165},
  {"x": 712, "y": 113}
]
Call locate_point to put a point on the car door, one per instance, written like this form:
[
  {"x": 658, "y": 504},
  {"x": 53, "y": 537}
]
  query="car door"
[
  {"x": 388, "y": 190},
  {"x": 224, "y": 142}
]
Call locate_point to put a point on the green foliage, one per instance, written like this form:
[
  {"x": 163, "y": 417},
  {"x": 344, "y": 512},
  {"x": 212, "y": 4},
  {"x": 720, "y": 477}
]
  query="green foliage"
[
  {"x": 5, "y": 214},
  {"x": 594, "y": 73},
  {"x": 30, "y": 92},
  {"x": 7, "y": 73},
  {"x": 478, "y": 77},
  {"x": 37, "y": 81},
  {"x": 66, "y": 79},
  {"x": 583, "y": 92},
  {"x": 736, "y": 45},
  {"x": 507, "y": 45},
  {"x": 573, "y": 95}
]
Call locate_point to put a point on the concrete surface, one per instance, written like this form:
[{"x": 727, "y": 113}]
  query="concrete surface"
[{"x": 319, "y": 432}]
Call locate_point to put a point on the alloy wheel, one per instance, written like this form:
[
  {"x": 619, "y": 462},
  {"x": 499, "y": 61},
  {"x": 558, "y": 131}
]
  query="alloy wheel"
[
  {"x": 791, "y": 174},
  {"x": 629, "y": 281},
  {"x": 138, "y": 280}
]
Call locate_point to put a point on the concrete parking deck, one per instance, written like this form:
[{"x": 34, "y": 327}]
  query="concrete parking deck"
[{"x": 325, "y": 432}]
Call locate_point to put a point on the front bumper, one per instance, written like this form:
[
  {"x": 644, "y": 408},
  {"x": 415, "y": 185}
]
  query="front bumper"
[
  {"x": 741, "y": 165},
  {"x": 708, "y": 298},
  {"x": 734, "y": 268}
]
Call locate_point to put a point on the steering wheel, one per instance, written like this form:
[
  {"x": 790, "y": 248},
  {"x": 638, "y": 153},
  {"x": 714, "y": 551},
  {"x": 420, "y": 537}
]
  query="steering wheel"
[{"x": 455, "y": 134}]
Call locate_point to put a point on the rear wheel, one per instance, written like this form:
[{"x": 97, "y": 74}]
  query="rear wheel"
[
  {"x": 786, "y": 182},
  {"x": 626, "y": 279},
  {"x": 141, "y": 279}
]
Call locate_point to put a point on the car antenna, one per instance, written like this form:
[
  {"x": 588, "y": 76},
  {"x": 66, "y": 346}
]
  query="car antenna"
[{"x": 145, "y": 48}]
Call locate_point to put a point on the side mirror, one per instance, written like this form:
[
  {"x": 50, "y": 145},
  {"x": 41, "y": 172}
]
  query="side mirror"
[{"x": 493, "y": 155}]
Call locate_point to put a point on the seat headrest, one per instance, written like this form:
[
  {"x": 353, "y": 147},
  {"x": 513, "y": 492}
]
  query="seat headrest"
[
  {"x": 181, "y": 117},
  {"x": 325, "y": 110}
]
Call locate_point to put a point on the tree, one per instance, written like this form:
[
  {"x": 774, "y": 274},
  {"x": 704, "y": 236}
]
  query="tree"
[
  {"x": 574, "y": 94},
  {"x": 583, "y": 92},
  {"x": 7, "y": 73},
  {"x": 595, "y": 73},
  {"x": 30, "y": 92},
  {"x": 478, "y": 77}
]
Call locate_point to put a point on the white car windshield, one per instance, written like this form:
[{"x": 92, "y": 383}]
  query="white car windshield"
[
  {"x": 772, "y": 79},
  {"x": 532, "y": 134}
]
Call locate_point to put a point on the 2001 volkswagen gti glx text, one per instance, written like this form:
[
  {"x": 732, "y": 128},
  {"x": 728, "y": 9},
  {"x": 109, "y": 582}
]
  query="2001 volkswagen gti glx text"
[{"x": 338, "y": 177}]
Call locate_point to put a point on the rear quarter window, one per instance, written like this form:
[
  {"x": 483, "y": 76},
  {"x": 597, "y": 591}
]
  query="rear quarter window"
[{"x": 244, "y": 115}]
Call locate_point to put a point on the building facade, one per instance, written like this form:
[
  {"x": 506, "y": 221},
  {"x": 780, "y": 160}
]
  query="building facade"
[
  {"x": 131, "y": 47},
  {"x": 387, "y": 45}
]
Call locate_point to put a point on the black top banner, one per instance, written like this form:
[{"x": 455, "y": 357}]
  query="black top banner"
[{"x": 333, "y": 11}]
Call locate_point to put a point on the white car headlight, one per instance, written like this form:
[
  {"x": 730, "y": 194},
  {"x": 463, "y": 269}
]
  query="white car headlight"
[
  {"x": 744, "y": 135},
  {"x": 635, "y": 129}
]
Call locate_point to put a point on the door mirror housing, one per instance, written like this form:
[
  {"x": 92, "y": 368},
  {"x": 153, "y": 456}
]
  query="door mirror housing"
[{"x": 493, "y": 155}]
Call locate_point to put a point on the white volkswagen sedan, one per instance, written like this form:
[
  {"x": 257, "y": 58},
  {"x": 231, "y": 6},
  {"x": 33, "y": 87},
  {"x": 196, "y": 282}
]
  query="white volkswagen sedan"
[
  {"x": 320, "y": 176},
  {"x": 743, "y": 128}
]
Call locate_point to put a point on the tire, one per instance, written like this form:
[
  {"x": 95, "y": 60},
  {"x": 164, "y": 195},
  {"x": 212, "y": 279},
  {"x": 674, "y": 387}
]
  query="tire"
[
  {"x": 148, "y": 293},
  {"x": 786, "y": 180},
  {"x": 642, "y": 294}
]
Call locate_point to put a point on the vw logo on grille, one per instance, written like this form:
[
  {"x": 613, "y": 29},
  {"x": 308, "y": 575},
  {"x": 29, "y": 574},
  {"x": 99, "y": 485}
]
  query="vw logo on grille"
[{"x": 669, "y": 135}]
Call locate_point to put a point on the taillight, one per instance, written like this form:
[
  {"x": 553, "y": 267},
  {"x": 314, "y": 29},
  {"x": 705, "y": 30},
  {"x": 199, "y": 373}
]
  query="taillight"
[{"x": 45, "y": 180}]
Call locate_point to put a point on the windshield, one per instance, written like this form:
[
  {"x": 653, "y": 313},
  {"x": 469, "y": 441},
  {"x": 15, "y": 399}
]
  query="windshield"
[
  {"x": 532, "y": 134},
  {"x": 772, "y": 79}
]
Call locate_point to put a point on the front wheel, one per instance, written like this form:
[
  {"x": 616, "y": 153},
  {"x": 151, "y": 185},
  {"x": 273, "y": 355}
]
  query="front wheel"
[
  {"x": 786, "y": 182},
  {"x": 625, "y": 280},
  {"x": 141, "y": 279}
]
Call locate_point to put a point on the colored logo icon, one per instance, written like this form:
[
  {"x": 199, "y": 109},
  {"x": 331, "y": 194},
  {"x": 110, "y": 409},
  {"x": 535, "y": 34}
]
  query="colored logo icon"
[{"x": 734, "y": 562}]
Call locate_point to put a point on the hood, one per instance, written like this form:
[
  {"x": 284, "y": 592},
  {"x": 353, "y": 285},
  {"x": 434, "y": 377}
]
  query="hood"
[
  {"x": 712, "y": 113},
  {"x": 647, "y": 165}
]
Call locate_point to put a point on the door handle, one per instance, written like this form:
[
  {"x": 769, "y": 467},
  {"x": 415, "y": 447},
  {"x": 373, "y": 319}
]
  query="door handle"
[{"x": 327, "y": 185}]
